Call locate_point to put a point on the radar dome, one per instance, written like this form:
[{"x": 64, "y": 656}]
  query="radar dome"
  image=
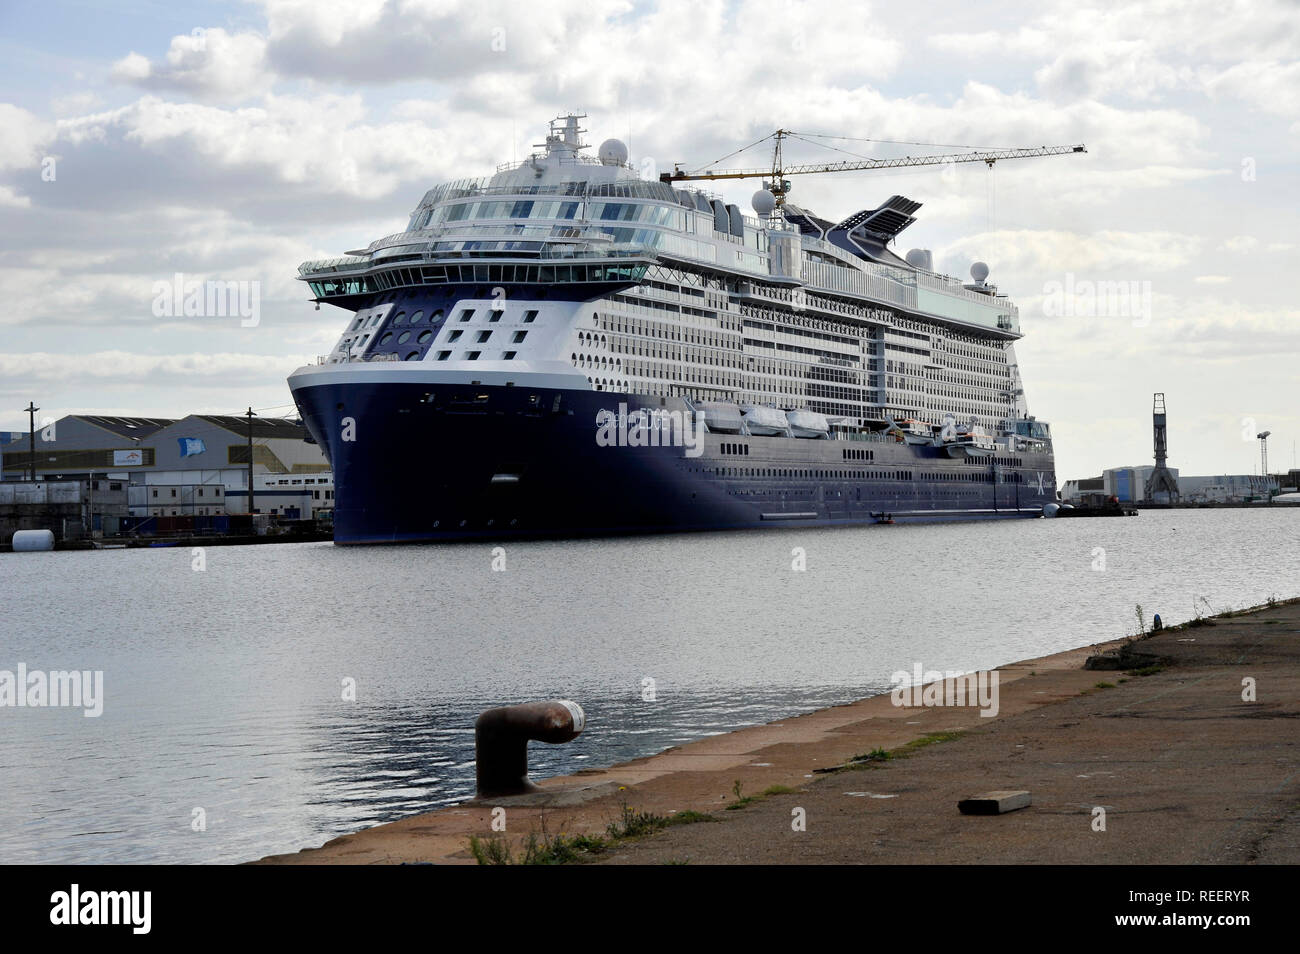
[
  {"x": 916, "y": 258},
  {"x": 613, "y": 152},
  {"x": 979, "y": 271},
  {"x": 763, "y": 202}
]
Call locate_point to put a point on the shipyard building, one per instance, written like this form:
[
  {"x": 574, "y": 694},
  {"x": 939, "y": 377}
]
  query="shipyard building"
[
  {"x": 1128, "y": 485},
  {"x": 93, "y": 472}
]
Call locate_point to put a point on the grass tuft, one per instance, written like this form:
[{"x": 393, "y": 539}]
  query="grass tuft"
[
  {"x": 1146, "y": 671},
  {"x": 934, "y": 738}
]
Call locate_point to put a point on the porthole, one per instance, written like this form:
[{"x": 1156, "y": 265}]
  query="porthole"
[
  {"x": 384, "y": 340},
  {"x": 424, "y": 336},
  {"x": 400, "y": 319},
  {"x": 403, "y": 337},
  {"x": 417, "y": 318},
  {"x": 435, "y": 317},
  {"x": 412, "y": 356}
]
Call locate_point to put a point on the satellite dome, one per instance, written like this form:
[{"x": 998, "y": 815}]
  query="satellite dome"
[
  {"x": 916, "y": 258},
  {"x": 763, "y": 202},
  {"x": 613, "y": 152},
  {"x": 979, "y": 271}
]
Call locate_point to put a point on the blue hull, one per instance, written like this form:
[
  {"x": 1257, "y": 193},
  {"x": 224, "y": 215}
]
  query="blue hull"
[{"x": 424, "y": 461}]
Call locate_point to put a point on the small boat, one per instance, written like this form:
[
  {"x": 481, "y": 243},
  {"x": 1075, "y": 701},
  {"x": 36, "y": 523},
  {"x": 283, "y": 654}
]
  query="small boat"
[
  {"x": 973, "y": 441},
  {"x": 721, "y": 417},
  {"x": 808, "y": 424},
  {"x": 764, "y": 421},
  {"x": 911, "y": 431}
]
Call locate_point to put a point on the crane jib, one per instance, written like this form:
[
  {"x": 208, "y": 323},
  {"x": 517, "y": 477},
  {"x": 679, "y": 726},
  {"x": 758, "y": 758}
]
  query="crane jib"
[{"x": 776, "y": 171}]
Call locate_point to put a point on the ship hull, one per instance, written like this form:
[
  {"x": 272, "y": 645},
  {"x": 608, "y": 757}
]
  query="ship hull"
[{"x": 425, "y": 460}]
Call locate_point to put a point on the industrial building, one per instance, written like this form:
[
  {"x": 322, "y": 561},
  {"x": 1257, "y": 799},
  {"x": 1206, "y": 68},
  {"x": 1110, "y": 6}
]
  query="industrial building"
[
  {"x": 72, "y": 509},
  {"x": 196, "y": 466},
  {"x": 201, "y": 452},
  {"x": 190, "y": 493},
  {"x": 1127, "y": 484},
  {"x": 1227, "y": 488}
]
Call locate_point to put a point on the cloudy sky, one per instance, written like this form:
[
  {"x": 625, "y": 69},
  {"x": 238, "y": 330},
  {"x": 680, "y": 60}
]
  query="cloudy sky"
[{"x": 232, "y": 141}]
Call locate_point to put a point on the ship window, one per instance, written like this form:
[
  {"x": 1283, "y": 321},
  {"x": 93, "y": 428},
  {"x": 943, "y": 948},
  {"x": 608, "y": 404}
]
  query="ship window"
[
  {"x": 467, "y": 314},
  {"x": 424, "y": 336},
  {"x": 387, "y": 336},
  {"x": 435, "y": 317},
  {"x": 484, "y": 335},
  {"x": 400, "y": 319},
  {"x": 417, "y": 318},
  {"x": 520, "y": 336},
  {"x": 454, "y": 336},
  {"x": 444, "y": 355},
  {"x": 412, "y": 356},
  {"x": 472, "y": 355},
  {"x": 530, "y": 316},
  {"x": 508, "y": 355},
  {"x": 403, "y": 337}
]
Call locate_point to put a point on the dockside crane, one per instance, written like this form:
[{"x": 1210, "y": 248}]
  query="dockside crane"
[
  {"x": 1162, "y": 479},
  {"x": 779, "y": 185}
]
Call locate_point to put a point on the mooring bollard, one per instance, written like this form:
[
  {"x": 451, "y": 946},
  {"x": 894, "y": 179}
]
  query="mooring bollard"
[{"x": 501, "y": 738}]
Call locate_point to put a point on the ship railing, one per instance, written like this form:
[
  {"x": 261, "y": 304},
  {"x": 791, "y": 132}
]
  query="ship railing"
[
  {"x": 323, "y": 265},
  {"x": 947, "y": 285},
  {"x": 842, "y": 278},
  {"x": 578, "y": 188},
  {"x": 862, "y": 437},
  {"x": 621, "y": 250},
  {"x": 471, "y": 232}
]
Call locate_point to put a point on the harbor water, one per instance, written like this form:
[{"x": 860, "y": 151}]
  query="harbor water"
[{"x": 263, "y": 699}]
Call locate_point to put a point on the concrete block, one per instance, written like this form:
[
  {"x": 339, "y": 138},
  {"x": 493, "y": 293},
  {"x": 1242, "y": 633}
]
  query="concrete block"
[{"x": 993, "y": 803}]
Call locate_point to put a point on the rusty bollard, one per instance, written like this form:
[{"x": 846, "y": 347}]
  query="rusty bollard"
[{"x": 501, "y": 739}]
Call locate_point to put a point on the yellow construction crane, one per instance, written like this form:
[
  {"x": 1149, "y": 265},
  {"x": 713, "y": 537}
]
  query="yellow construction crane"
[{"x": 779, "y": 185}]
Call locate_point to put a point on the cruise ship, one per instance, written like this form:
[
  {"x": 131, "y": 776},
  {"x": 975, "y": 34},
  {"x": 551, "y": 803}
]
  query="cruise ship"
[{"x": 566, "y": 348}]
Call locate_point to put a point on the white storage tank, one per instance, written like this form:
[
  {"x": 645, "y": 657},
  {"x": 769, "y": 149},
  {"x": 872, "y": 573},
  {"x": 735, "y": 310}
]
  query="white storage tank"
[{"x": 33, "y": 541}]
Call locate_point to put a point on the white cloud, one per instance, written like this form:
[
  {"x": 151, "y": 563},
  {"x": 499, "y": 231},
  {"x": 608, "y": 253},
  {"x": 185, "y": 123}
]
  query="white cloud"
[
  {"x": 1050, "y": 253},
  {"x": 1143, "y": 50},
  {"x": 126, "y": 367},
  {"x": 1240, "y": 244},
  {"x": 208, "y": 64},
  {"x": 26, "y": 138},
  {"x": 8, "y": 197}
]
